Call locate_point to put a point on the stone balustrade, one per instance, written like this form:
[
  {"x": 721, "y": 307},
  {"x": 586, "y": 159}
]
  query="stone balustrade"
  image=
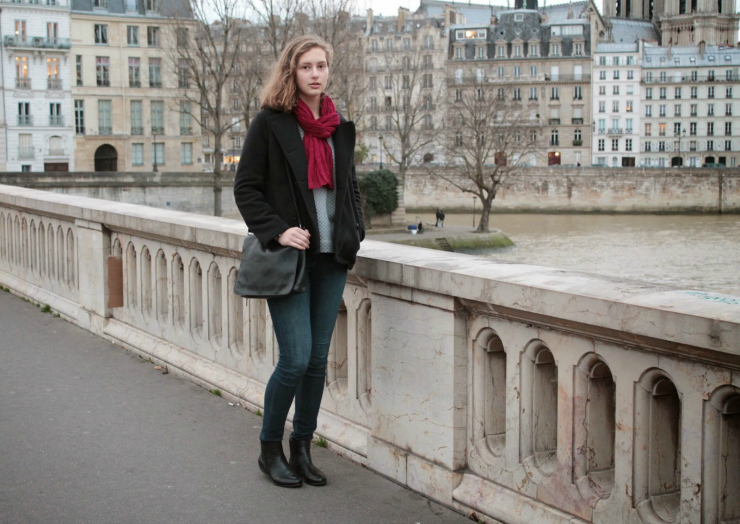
[{"x": 519, "y": 393}]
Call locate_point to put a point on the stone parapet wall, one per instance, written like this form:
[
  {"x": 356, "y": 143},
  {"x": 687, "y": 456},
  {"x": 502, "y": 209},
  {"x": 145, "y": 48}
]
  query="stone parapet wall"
[
  {"x": 538, "y": 190},
  {"x": 521, "y": 393}
]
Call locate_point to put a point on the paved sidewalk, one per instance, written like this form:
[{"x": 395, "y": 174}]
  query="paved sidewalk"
[{"x": 90, "y": 433}]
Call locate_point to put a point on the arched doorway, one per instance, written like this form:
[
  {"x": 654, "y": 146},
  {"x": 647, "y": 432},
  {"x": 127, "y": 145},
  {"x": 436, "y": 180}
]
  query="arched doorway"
[
  {"x": 676, "y": 161},
  {"x": 106, "y": 158}
]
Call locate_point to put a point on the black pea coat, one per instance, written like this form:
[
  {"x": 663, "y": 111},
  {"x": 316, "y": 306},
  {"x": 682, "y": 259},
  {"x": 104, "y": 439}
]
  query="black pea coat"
[{"x": 273, "y": 156}]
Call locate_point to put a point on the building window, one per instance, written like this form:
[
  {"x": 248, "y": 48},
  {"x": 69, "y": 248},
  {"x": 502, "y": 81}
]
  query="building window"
[
  {"x": 501, "y": 52},
  {"x": 728, "y": 128},
  {"x": 602, "y": 143},
  {"x": 406, "y": 44},
  {"x": 630, "y": 74},
  {"x": 728, "y": 92},
  {"x": 517, "y": 71},
  {"x": 615, "y": 90},
  {"x": 533, "y": 93},
  {"x": 616, "y": 75},
  {"x": 134, "y": 72},
  {"x": 389, "y": 45},
  {"x": 534, "y": 50},
  {"x": 677, "y": 110},
  {"x": 578, "y": 93},
  {"x": 615, "y": 106},
  {"x": 648, "y": 110},
  {"x": 628, "y": 144},
  {"x": 132, "y": 35},
  {"x": 602, "y": 90},
  {"x": 661, "y": 110},
  {"x": 183, "y": 73},
  {"x": 500, "y": 94},
  {"x": 158, "y": 154},
  {"x": 694, "y": 109},
  {"x": 661, "y": 129},
  {"x": 137, "y": 124},
  {"x": 578, "y": 49},
  {"x": 692, "y": 128},
  {"x": 710, "y": 145},
  {"x": 458, "y": 95},
  {"x": 102, "y": 71},
  {"x": 78, "y": 69},
  {"x": 481, "y": 52},
  {"x": 101, "y": 34},
  {"x": 186, "y": 154},
  {"x": 648, "y": 146},
  {"x": 105, "y": 122},
  {"x": 517, "y": 51},
  {"x": 602, "y": 60},
  {"x": 137, "y": 154},
  {"x": 710, "y": 128},
  {"x": 80, "y": 117},
  {"x": 55, "y": 114},
  {"x": 663, "y": 93},
  {"x": 555, "y": 93},
  {"x": 710, "y": 109},
  {"x": 156, "y": 109},
  {"x": 677, "y": 92},
  {"x": 661, "y": 146},
  {"x": 629, "y": 106},
  {"x": 615, "y": 144},
  {"x": 183, "y": 37},
  {"x": 186, "y": 118},
  {"x": 602, "y": 107},
  {"x": 728, "y": 109},
  {"x": 602, "y": 75},
  {"x": 388, "y": 123},
  {"x": 155, "y": 72},
  {"x": 554, "y": 140},
  {"x": 577, "y": 135},
  {"x": 500, "y": 72},
  {"x": 374, "y": 46},
  {"x": 517, "y": 94},
  {"x": 710, "y": 92},
  {"x": 373, "y": 83},
  {"x": 458, "y": 139},
  {"x": 427, "y": 81},
  {"x": 152, "y": 36},
  {"x": 152, "y": 5},
  {"x": 555, "y": 49},
  {"x": 677, "y": 129},
  {"x": 728, "y": 145},
  {"x": 459, "y": 53},
  {"x": 649, "y": 93}
]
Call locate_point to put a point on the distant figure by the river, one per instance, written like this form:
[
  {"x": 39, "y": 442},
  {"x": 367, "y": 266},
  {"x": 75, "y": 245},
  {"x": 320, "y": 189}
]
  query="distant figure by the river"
[{"x": 440, "y": 218}]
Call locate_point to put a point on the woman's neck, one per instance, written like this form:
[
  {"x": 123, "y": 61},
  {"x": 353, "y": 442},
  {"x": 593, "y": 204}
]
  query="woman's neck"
[{"x": 313, "y": 103}]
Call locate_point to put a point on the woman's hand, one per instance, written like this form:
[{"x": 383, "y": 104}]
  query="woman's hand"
[{"x": 295, "y": 237}]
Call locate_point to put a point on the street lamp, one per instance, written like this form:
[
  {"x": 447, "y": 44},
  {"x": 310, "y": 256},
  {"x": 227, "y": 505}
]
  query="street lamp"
[
  {"x": 380, "y": 140},
  {"x": 154, "y": 149},
  {"x": 474, "y": 199}
]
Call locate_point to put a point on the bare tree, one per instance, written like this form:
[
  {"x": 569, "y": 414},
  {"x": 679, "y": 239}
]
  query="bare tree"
[
  {"x": 281, "y": 20},
  {"x": 252, "y": 70},
  {"x": 206, "y": 63},
  {"x": 410, "y": 95},
  {"x": 489, "y": 138}
]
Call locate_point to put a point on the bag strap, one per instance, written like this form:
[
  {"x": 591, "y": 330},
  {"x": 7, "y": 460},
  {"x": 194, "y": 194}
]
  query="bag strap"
[{"x": 292, "y": 192}]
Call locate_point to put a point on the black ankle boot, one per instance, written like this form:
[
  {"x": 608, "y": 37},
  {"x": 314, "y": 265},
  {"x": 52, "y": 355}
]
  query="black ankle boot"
[
  {"x": 273, "y": 464},
  {"x": 300, "y": 461}
]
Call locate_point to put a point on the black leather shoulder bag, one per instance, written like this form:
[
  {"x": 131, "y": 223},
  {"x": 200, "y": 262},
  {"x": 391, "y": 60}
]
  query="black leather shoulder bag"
[{"x": 273, "y": 270}]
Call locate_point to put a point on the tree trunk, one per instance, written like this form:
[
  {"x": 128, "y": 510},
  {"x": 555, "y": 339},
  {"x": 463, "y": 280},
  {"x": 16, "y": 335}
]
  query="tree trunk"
[
  {"x": 485, "y": 214},
  {"x": 217, "y": 182},
  {"x": 398, "y": 217}
]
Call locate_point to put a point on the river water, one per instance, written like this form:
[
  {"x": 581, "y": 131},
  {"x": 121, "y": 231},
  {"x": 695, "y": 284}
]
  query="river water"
[{"x": 688, "y": 251}]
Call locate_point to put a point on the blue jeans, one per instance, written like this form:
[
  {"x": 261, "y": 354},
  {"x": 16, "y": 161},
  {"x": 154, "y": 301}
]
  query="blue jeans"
[{"x": 304, "y": 324}]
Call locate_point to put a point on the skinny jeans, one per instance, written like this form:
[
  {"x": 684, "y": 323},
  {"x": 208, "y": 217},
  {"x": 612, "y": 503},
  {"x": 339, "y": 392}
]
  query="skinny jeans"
[{"x": 303, "y": 324}]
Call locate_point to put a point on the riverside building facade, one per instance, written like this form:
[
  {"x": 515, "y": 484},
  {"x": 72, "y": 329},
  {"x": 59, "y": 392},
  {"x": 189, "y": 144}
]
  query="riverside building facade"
[
  {"x": 129, "y": 113},
  {"x": 35, "y": 54},
  {"x": 691, "y": 111}
]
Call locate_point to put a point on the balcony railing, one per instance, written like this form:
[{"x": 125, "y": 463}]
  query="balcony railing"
[
  {"x": 553, "y": 122},
  {"x": 56, "y": 152},
  {"x": 188, "y": 130},
  {"x": 54, "y": 84},
  {"x": 25, "y": 120},
  {"x": 105, "y": 130},
  {"x": 38, "y": 42},
  {"x": 26, "y": 152},
  {"x": 56, "y": 120},
  {"x": 157, "y": 130},
  {"x": 137, "y": 130},
  {"x": 155, "y": 83},
  {"x": 576, "y": 120},
  {"x": 577, "y": 142},
  {"x": 23, "y": 83},
  {"x": 690, "y": 79}
]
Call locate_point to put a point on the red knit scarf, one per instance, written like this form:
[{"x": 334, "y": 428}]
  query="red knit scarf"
[{"x": 315, "y": 134}]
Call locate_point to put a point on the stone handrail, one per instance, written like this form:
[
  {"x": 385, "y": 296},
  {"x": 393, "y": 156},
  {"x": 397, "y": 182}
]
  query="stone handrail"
[{"x": 520, "y": 393}]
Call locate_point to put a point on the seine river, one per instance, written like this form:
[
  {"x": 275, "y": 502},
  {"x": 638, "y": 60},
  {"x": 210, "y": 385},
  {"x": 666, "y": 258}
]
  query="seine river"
[{"x": 687, "y": 251}]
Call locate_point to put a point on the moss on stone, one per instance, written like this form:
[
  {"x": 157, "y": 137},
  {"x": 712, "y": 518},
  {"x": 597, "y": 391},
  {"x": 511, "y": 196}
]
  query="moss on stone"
[{"x": 470, "y": 243}]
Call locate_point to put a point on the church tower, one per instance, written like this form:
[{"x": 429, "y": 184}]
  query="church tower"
[{"x": 683, "y": 22}]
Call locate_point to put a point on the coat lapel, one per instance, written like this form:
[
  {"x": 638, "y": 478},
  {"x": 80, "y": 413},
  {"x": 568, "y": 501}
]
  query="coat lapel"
[
  {"x": 344, "y": 142},
  {"x": 285, "y": 128}
]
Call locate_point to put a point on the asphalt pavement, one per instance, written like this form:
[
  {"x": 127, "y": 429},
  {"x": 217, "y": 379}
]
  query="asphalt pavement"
[{"x": 90, "y": 433}]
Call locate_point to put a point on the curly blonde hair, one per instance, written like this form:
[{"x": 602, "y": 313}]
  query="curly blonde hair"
[{"x": 281, "y": 90}]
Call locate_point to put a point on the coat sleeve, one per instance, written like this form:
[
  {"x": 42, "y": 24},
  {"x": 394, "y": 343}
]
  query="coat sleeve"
[
  {"x": 358, "y": 202},
  {"x": 250, "y": 184}
]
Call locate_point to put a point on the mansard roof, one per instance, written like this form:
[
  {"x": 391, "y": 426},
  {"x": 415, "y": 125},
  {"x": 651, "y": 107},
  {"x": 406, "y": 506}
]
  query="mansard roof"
[
  {"x": 626, "y": 31},
  {"x": 167, "y": 8}
]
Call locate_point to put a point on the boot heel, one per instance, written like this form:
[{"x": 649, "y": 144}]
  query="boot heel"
[{"x": 272, "y": 463}]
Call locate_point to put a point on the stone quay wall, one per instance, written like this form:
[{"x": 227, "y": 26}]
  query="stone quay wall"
[
  {"x": 536, "y": 190},
  {"x": 519, "y": 393}
]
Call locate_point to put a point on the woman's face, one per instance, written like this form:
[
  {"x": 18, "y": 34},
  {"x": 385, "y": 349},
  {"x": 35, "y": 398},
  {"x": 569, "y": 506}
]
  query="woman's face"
[{"x": 312, "y": 73}]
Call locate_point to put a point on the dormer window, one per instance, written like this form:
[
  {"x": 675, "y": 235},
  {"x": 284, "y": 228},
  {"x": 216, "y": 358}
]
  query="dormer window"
[
  {"x": 469, "y": 34},
  {"x": 519, "y": 17},
  {"x": 501, "y": 51}
]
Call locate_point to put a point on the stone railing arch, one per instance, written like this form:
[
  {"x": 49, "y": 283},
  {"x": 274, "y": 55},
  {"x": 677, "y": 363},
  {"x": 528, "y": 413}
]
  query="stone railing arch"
[{"x": 521, "y": 393}]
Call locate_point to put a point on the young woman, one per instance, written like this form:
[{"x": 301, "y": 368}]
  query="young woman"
[{"x": 299, "y": 139}]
